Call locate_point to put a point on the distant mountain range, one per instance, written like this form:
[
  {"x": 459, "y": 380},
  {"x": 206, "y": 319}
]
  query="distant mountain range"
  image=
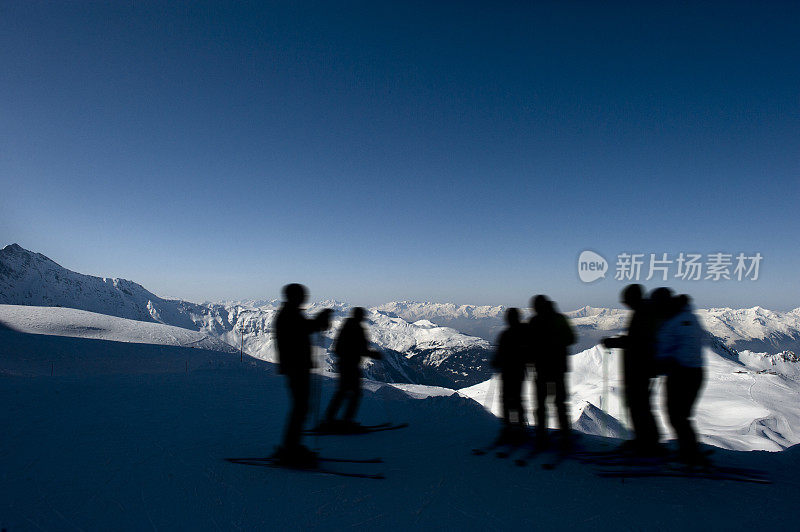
[
  {"x": 753, "y": 329},
  {"x": 432, "y": 343}
]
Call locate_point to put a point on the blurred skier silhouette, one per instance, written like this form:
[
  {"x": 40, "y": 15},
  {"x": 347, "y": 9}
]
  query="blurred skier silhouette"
[
  {"x": 293, "y": 331},
  {"x": 637, "y": 369},
  {"x": 550, "y": 336},
  {"x": 510, "y": 359},
  {"x": 351, "y": 346},
  {"x": 679, "y": 355}
]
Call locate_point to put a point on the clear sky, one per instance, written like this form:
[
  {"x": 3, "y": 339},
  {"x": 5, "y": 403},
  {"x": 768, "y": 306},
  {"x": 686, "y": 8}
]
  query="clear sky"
[{"x": 375, "y": 151}]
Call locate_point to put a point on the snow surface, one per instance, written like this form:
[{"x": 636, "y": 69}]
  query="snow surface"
[
  {"x": 93, "y": 451},
  {"x": 61, "y": 321}
]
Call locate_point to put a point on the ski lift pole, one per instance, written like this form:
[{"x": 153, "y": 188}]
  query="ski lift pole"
[
  {"x": 382, "y": 393},
  {"x": 606, "y": 406},
  {"x": 317, "y": 386},
  {"x": 241, "y": 346}
]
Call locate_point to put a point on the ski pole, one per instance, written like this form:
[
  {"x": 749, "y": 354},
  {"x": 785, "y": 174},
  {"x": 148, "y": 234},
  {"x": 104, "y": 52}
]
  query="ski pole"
[
  {"x": 317, "y": 388},
  {"x": 605, "y": 402},
  {"x": 386, "y": 410}
]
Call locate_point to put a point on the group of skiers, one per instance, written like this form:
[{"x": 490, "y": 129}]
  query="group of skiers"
[
  {"x": 542, "y": 343},
  {"x": 293, "y": 335},
  {"x": 664, "y": 338}
]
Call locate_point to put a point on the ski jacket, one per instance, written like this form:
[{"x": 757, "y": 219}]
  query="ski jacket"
[
  {"x": 293, "y": 332},
  {"x": 351, "y": 346},
  {"x": 512, "y": 348},
  {"x": 550, "y": 335},
  {"x": 680, "y": 340},
  {"x": 639, "y": 344}
]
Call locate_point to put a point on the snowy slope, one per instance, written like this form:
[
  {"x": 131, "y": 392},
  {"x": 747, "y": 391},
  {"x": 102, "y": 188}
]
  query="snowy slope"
[
  {"x": 82, "y": 324},
  {"x": 144, "y": 451}
]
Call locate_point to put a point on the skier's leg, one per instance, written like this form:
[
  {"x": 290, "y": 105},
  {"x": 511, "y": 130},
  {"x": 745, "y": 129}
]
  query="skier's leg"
[
  {"x": 635, "y": 396},
  {"x": 335, "y": 404},
  {"x": 298, "y": 390},
  {"x": 679, "y": 403},
  {"x": 354, "y": 396},
  {"x": 515, "y": 412},
  {"x": 649, "y": 429},
  {"x": 693, "y": 382},
  {"x": 561, "y": 407}
]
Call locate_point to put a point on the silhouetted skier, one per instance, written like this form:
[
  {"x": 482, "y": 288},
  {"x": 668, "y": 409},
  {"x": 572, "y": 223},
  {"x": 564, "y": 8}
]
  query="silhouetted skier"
[
  {"x": 350, "y": 347},
  {"x": 293, "y": 331},
  {"x": 550, "y": 336},
  {"x": 510, "y": 358},
  {"x": 679, "y": 353},
  {"x": 637, "y": 369}
]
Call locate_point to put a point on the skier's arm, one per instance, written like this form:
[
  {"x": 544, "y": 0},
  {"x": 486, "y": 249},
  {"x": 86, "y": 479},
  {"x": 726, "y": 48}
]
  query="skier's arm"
[
  {"x": 497, "y": 359},
  {"x": 668, "y": 341},
  {"x": 569, "y": 334},
  {"x": 321, "y": 321},
  {"x": 616, "y": 342}
]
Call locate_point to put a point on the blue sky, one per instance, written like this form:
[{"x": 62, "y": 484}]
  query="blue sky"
[{"x": 375, "y": 151}]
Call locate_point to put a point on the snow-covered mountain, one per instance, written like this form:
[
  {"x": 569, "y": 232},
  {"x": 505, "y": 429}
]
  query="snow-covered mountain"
[
  {"x": 28, "y": 278},
  {"x": 433, "y": 343},
  {"x": 485, "y": 321},
  {"x": 755, "y": 329},
  {"x": 419, "y": 352}
]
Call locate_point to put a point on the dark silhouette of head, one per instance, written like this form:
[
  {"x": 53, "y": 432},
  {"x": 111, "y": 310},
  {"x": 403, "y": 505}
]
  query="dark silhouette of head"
[
  {"x": 681, "y": 301},
  {"x": 358, "y": 313},
  {"x": 541, "y": 304},
  {"x": 512, "y": 316},
  {"x": 662, "y": 300},
  {"x": 295, "y": 294},
  {"x": 632, "y": 295}
]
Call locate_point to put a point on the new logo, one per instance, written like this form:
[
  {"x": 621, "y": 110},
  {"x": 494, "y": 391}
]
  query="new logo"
[{"x": 591, "y": 266}]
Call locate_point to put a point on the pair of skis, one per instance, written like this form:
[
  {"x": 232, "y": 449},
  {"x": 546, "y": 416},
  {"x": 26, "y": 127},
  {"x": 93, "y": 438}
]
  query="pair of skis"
[
  {"x": 707, "y": 473},
  {"x": 322, "y": 468},
  {"x": 612, "y": 464}
]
